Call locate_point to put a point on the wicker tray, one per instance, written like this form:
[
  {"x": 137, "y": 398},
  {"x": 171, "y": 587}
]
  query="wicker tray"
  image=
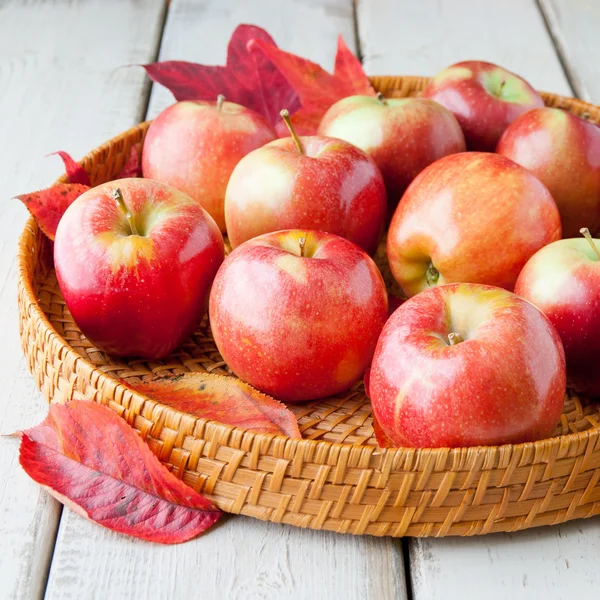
[{"x": 337, "y": 478}]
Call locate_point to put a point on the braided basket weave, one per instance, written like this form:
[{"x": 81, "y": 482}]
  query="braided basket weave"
[{"x": 336, "y": 478}]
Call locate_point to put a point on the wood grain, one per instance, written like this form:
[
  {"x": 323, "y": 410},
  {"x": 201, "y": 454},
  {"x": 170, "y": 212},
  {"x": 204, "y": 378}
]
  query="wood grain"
[
  {"x": 421, "y": 38},
  {"x": 240, "y": 558},
  {"x": 551, "y": 562},
  {"x": 575, "y": 26},
  {"x": 60, "y": 90},
  {"x": 199, "y": 31}
]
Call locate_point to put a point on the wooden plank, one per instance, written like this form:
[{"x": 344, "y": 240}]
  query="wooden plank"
[
  {"x": 243, "y": 557},
  {"x": 549, "y": 562},
  {"x": 240, "y": 558},
  {"x": 574, "y": 25},
  {"x": 199, "y": 31},
  {"x": 60, "y": 90},
  {"x": 421, "y": 38}
]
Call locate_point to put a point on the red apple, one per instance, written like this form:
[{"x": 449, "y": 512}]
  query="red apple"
[
  {"x": 135, "y": 260},
  {"x": 194, "y": 146},
  {"x": 563, "y": 151},
  {"x": 467, "y": 365},
  {"x": 297, "y": 313},
  {"x": 402, "y": 135},
  {"x": 471, "y": 217},
  {"x": 484, "y": 97},
  {"x": 563, "y": 281},
  {"x": 309, "y": 182}
]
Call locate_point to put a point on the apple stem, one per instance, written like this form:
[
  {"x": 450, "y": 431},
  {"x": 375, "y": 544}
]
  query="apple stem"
[
  {"x": 455, "y": 338},
  {"x": 586, "y": 234},
  {"x": 220, "y": 100},
  {"x": 502, "y": 86},
  {"x": 118, "y": 196},
  {"x": 432, "y": 275},
  {"x": 301, "y": 243},
  {"x": 285, "y": 115},
  {"x": 381, "y": 98}
]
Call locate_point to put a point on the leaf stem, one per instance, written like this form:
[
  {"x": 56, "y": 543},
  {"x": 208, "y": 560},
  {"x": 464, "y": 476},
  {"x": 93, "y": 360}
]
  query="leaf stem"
[
  {"x": 285, "y": 115},
  {"x": 585, "y": 232},
  {"x": 118, "y": 196},
  {"x": 220, "y": 100}
]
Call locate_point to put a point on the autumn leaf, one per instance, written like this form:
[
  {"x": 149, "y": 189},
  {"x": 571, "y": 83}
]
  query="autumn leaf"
[
  {"x": 223, "y": 399},
  {"x": 92, "y": 461},
  {"x": 316, "y": 88},
  {"x": 247, "y": 79},
  {"x": 75, "y": 172},
  {"x": 133, "y": 166},
  {"x": 48, "y": 206}
]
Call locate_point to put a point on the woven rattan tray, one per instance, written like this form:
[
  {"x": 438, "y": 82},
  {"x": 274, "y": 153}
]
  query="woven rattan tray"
[{"x": 336, "y": 478}]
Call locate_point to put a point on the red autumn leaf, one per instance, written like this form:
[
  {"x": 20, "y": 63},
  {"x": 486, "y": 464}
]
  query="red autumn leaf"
[
  {"x": 247, "y": 79},
  {"x": 75, "y": 172},
  {"x": 348, "y": 68},
  {"x": 91, "y": 460},
  {"x": 133, "y": 166},
  {"x": 48, "y": 206},
  {"x": 316, "y": 88},
  {"x": 223, "y": 399}
]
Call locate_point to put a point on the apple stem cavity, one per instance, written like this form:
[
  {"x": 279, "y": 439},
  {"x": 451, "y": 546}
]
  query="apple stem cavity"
[
  {"x": 118, "y": 196},
  {"x": 302, "y": 243},
  {"x": 220, "y": 100},
  {"x": 285, "y": 115},
  {"x": 585, "y": 232},
  {"x": 381, "y": 98},
  {"x": 432, "y": 275},
  {"x": 455, "y": 338}
]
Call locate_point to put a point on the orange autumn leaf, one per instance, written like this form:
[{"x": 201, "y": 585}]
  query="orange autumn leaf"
[
  {"x": 223, "y": 399},
  {"x": 48, "y": 206}
]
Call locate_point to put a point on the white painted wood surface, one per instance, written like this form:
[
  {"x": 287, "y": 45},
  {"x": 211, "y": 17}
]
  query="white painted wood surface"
[
  {"x": 551, "y": 563},
  {"x": 403, "y": 37},
  {"x": 59, "y": 90},
  {"x": 240, "y": 558},
  {"x": 199, "y": 31},
  {"x": 575, "y": 26},
  {"x": 243, "y": 558}
]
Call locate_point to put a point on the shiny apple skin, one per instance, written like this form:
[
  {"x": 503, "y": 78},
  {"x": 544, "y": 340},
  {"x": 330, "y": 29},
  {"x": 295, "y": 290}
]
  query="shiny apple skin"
[
  {"x": 563, "y": 281},
  {"x": 194, "y": 146},
  {"x": 298, "y": 328},
  {"x": 473, "y": 91},
  {"x": 402, "y": 135},
  {"x": 563, "y": 152},
  {"x": 474, "y": 217},
  {"x": 137, "y": 295},
  {"x": 332, "y": 186},
  {"x": 505, "y": 383}
]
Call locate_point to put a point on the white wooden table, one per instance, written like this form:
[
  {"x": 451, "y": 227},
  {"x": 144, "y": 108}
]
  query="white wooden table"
[{"x": 61, "y": 88}]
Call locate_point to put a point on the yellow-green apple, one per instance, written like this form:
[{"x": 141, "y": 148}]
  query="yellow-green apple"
[
  {"x": 297, "y": 313},
  {"x": 306, "y": 182},
  {"x": 135, "y": 260},
  {"x": 472, "y": 217},
  {"x": 484, "y": 97},
  {"x": 563, "y": 281},
  {"x": 563, "y": 151},
  {"x": 194, "y": 146},
  {"x": 467, "y": 365},
  {"x": 402, "y": 135}
]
